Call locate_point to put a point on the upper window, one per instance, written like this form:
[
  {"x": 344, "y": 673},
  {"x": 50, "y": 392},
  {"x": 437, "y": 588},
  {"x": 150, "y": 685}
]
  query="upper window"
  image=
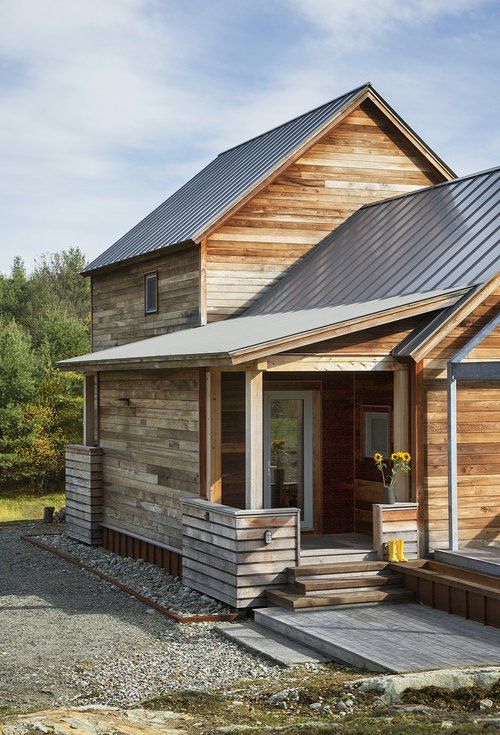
[
  {"x": 376, "y": 432},
  {"x": 151, "y": 293}
]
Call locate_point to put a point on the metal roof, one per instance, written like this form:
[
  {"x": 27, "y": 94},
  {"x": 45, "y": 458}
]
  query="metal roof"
[
  {"x": 441, "y": 237},
  {"x": 231, "y": 336},
  {"x": 185, "y": 215}
]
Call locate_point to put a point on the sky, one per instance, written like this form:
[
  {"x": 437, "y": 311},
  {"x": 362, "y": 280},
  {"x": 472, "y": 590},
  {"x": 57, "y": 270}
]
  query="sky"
[{"x": 108, "y": 106}]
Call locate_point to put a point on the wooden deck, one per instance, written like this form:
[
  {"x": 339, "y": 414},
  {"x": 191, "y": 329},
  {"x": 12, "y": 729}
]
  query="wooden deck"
[
  {"x": 396, "y": 638},
  {"x": 485, "y": 559}
]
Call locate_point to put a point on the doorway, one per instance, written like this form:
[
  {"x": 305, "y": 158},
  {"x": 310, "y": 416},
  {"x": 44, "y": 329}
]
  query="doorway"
[{"x": 288, "y": 466}]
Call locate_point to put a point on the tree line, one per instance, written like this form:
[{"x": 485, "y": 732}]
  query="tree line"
[{"x": 44, "y": 317}]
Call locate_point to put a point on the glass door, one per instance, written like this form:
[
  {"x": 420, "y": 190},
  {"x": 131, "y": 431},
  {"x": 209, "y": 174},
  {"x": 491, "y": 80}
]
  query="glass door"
[{"x": 288, "y": 452}]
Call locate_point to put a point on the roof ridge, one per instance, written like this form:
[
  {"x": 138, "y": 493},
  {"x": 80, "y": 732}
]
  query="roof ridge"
[
  {"x": 428, "y": 188},
  {"x": 366, "y": 85}
]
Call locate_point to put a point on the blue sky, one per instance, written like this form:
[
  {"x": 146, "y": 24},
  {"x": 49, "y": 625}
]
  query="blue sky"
[{"x": 107, "y": 106}]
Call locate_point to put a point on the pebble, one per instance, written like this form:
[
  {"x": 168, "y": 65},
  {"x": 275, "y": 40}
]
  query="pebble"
[
  {"x": 486, "y": 704},
  {"x": 149, "y": 580},
  {"x": 315, "y": 705}
]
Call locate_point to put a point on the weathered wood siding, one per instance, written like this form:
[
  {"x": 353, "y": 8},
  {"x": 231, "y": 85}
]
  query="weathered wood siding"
[
  {"x": 478, "y": 406},
  {"x": 150, "y": 450},
  {"x": 225, "y": 555},
  {"x": 118, "y": 299},
  {"x": 397, "y": 521},
  {"x": 84, "y": 493},
  {"x": 362, "y": 160}
]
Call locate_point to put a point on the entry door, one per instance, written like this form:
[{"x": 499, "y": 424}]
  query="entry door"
[{"x": 288, "y": 452}]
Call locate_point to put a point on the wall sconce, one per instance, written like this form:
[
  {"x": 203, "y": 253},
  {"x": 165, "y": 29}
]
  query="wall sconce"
[
  {"x": 126, "y": 401},
  {"x": 207, "y": 515},
  {"x": 268, "y": 537}
]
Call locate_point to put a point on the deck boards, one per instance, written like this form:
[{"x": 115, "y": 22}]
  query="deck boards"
[{"x": 397, "y": 638}]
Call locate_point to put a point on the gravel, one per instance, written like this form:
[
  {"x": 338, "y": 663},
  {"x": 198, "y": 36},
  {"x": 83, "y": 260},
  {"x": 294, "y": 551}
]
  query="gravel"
[
  {"x": 69, "y": 637},
  {"x": 147, "y": 579}
]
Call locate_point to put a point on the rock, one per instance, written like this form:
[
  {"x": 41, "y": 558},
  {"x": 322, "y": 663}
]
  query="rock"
[
  {"x": 341, "y": 705},
  {"x": 278, "y": 697},
  {"x": 392, "y": 687},
  {"x": 446, "y": 725},
  {"x": 486, "y": 704},
  {"x": 349, "y": 702},
  {"x": 315, "y": 705},
  {"x": 419, "y": 709}
]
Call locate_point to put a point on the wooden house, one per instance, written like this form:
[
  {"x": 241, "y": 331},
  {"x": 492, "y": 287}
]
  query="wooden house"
[{"x": 322, "y": 291}]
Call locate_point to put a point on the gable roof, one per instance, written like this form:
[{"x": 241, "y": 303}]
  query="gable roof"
[
  {"x": 228, "y": 179},
  {"x": 237, "y": 340},
  {"x": 440, "y": 237}
]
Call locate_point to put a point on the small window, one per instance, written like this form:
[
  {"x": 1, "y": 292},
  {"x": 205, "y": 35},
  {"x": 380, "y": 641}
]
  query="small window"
[
  {"x": 376, "y": 432},
  {"x": 151, "y": 293}
]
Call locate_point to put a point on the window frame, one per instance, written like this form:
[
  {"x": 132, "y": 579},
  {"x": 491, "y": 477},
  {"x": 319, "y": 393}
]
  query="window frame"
[
  {"x": 148, "y": 312},
  {"x": 369, "y": 411}
]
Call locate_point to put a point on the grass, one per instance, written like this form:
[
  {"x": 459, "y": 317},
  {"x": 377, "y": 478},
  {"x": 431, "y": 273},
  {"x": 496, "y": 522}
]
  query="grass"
[
  {"x": 25, "y": 505},
  {"x": 252, "y": 714}
]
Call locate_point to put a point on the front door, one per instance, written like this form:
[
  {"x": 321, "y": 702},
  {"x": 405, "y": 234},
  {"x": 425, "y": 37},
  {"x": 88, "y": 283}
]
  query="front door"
[{"x": 288, "y": 452}]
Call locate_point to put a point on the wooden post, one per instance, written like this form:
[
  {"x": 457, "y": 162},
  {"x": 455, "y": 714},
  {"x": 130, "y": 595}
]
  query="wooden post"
[
  {"x": 452, "y": 459},
  {"x": 401, "y": 427},
  {"x": 254, "y": 440},
  {"x": 89, "y": 414},
  {"x": 213, "y": 430}
]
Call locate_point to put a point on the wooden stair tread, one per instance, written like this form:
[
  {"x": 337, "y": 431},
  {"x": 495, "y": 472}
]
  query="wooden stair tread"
[
  {"x": 289, "y": 597},
  {"x": 340, "y": 568},
  {"x": 338, "y": 584}
]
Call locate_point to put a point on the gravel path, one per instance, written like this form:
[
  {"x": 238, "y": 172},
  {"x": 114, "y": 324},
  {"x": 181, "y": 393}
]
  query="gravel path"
[
  {"x": 66, "y": 636},
  {"x": 147, "y": 579}
]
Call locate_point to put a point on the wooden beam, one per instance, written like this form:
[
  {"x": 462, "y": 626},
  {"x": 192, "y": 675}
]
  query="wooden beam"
[
  {"x": 203, "y": 282},
  {"x": 202, "y": 431},
  {"x": 254, "y": 488},
  {"x": 213, "y": 431},
  {"x": 332, "y": 363},
  {"x": 452, "y": 459},
  {"x": 89, "y": 412},
  {"x": 417, "y": 410},
  {"x": 401, "y": 429}
]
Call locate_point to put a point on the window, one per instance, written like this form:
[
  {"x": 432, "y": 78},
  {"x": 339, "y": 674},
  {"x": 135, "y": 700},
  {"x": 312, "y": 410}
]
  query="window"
[
  {"x": 151, "y": 293},
  {"x": 376, "y": 432}
]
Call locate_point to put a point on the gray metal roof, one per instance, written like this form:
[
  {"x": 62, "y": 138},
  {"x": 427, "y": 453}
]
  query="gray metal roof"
[
  {"x": 225, "y": 338},
  {"x": 441, "y": 237},
  {"x": 219, "y": 185},
  {"x": 185, "y": 215}
]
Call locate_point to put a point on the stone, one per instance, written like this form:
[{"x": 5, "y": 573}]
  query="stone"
[
  {"x": 392, "y": 687},
  {"x": 341, "y": 705},
  {"x": 315, "y": 705},
  {"x": 486, "y": 704},
  {"x": 446, "y": 725}
]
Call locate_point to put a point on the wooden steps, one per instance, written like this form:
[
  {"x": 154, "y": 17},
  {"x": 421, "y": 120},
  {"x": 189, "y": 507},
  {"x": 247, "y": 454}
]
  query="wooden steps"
[{"x": 329, "y": 585}]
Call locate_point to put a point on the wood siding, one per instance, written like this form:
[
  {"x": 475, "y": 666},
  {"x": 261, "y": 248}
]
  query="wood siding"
[
  {"x": 150, "y": 450},
  {"x": 363, "y": 159},
  {"x": 478, "y": 414},
  {"x": 118, "y": 299}
]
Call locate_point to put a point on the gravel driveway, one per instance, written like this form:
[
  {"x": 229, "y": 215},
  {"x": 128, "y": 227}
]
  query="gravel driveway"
[{"x": 66, "y": 636}]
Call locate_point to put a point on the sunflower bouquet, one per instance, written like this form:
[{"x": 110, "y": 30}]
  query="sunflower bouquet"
[{"x": 390, "y": 470}]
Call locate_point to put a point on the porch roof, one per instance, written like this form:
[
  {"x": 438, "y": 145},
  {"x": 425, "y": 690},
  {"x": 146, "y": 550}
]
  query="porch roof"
[{"x": 245, "y": 338}]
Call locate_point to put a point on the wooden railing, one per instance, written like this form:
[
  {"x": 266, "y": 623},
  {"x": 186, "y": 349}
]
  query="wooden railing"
[{"x": 235, "y": 555}]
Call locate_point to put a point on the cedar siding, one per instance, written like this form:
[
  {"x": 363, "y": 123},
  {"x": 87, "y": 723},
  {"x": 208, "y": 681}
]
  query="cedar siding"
[
  {"x": 478, "y": 438},
  {"x": 363, "y": 159},
  {"x": 150, "y": 450},
  {"x": 118, "y": 314}
]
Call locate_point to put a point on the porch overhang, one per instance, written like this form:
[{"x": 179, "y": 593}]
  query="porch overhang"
[{"x": 246, "y": 339}]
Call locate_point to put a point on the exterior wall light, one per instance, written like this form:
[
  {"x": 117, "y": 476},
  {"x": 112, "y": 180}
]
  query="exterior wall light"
[{"x": 268, "y": 537}]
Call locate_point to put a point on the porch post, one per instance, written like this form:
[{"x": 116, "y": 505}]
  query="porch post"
[
  {"x": 254, "y": 489},
  {"x": 401, "y": 426},
  {"x": 213, "y": 432},
  {"x": 452, "y": 459},
  {"x": 89, "y": 412}
]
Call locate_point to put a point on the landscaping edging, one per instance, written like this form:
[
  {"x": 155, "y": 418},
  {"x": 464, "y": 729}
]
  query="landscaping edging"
[{"x": 182, "y": 619}]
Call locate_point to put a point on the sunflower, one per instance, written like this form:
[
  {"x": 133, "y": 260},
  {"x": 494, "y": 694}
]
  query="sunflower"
[
  {"x": 394, "y": 456},
  {"x": 405, "y": 456},
  {"x": 378, "y": 457}
]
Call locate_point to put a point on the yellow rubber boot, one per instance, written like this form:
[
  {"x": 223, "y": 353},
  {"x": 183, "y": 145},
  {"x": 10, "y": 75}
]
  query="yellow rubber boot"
[
  {"x": 400, "y": 547},
  {"x": 393, "y": 556}
]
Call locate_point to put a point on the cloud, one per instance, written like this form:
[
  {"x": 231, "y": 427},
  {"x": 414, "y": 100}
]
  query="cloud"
[{"x": 109, "y": 105}]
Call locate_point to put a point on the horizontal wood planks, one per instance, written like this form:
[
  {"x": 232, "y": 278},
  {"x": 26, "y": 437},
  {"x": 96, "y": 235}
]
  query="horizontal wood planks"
[
  {"x": 363, "y": 159},
  {"x": 225, "y": 555},
  {"x": 84, "y": 493},
  {"x": 150, "y": 450},
  {"x": 396, "y": 521},
  {"x": 478, "y": 416},
  {"x": 118, "y": 299}
]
